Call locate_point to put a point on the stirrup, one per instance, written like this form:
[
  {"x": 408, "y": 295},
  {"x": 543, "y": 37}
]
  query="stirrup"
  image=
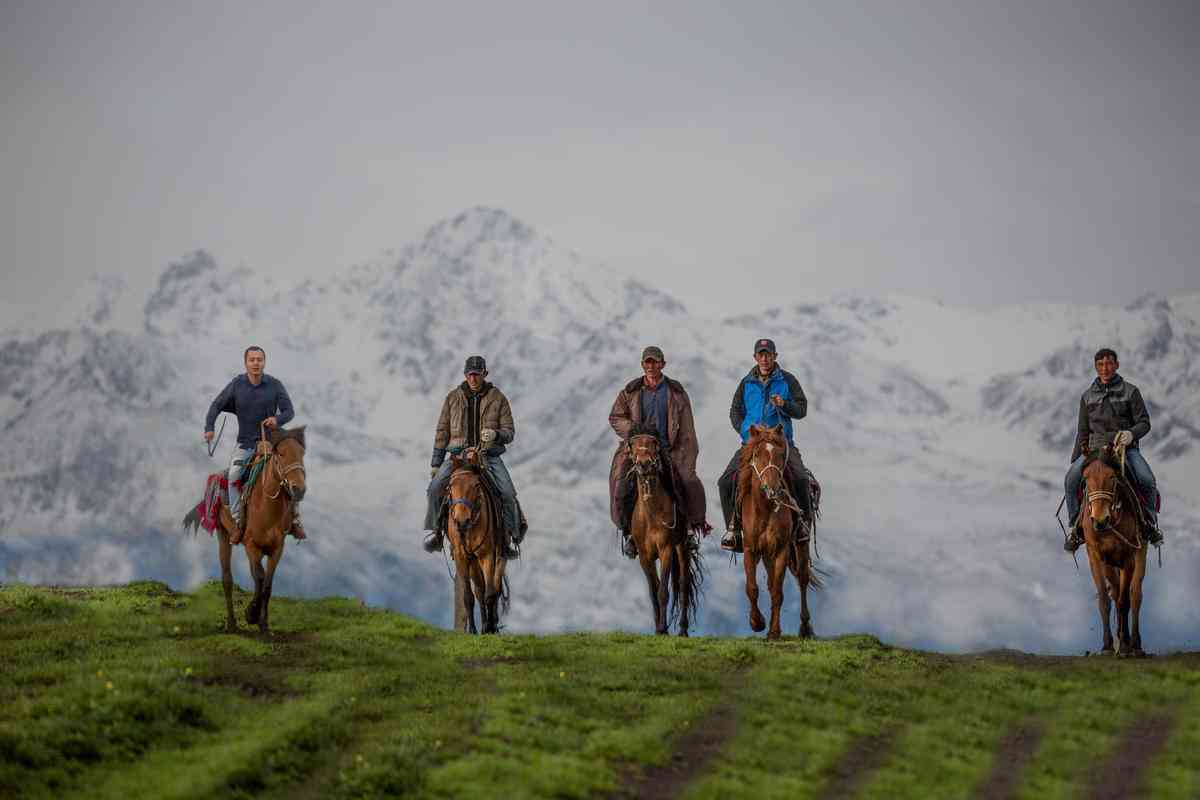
[
  {"x": 628, "y": 546},
  {"x": 732, "y": 541},
  {"x": 433, "y": 542},
  {"x": 1073, "y": 542}
]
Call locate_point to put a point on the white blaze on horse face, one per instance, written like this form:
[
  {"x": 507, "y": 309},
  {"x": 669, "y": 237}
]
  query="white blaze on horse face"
[{"x": 770, "y": 448}]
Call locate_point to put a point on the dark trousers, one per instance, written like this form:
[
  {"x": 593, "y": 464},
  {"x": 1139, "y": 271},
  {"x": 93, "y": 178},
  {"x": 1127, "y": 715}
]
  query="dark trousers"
[{"x": 795, "y": 474}]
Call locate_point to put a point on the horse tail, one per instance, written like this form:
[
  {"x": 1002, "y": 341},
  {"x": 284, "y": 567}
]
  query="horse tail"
[
  {"x": 687, "y": 595},
  {"x": 192, "y": 520},
  {"x": 505, "y": 600}
]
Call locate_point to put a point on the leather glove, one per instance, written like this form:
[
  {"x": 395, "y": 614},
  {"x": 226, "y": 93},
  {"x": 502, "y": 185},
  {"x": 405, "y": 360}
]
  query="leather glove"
[
  {"x": 487, "y": 436},
  {"x": 433, "y": 471},
  {"x": 1124, "y": 438}
]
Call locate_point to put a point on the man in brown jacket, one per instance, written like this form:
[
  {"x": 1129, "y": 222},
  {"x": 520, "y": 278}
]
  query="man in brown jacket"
[
  {"x": 657, "y": 402},
  {"x": 475, "y": 413}
]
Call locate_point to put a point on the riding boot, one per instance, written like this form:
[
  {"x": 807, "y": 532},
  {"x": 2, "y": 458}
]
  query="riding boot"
[
  {"x": 297, "y": 526},
  {"x": 239, "y": 526},
  {"x": 732, "y": 540},
  {"x": 1074, "y": 538},
  {"x": 433, "y": 541},
  {"x": 628, "y": 546}
]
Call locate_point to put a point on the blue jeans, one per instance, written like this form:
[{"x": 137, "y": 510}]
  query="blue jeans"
[
  {"x": 238, "y": 462},
  {"x": 1137, "y": 466},
  {"x": 499, "y": 475}
]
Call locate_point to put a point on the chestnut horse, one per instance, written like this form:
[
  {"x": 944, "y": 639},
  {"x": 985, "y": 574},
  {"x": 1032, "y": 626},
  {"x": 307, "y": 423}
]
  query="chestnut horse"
[
  {"x": 769, "y": 516},
  {"x": 476, "y": 536},
  {"x": 660, "y": 533},
  {"x": 268, "y": 513},
  {"x": 1116, "y": 548}
]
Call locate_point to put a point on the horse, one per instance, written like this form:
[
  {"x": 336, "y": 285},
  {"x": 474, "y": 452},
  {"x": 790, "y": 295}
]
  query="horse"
[
  {"x": 769, "y": 521},
  {"x": 1116, "y": 548},
  {"x": 660, "y": 533},
  {"x": 268, "y": 510},
  {"x": 476, "y": 536}
]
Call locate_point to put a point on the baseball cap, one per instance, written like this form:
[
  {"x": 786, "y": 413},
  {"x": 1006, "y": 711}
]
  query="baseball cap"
[
  {"x": 475, "y": 364},
  {"x": 764, "y": 344},
  {"x": 653, "y": 352}
]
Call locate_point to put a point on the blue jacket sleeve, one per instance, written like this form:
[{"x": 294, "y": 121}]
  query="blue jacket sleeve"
[
  {"x": 284, "y": 404},
  {"x": 224, "y": 402}
]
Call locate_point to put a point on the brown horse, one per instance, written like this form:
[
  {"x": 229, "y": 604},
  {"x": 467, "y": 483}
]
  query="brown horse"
[
  {"x": 268, "y": 517},
  {"x": 476, "y": 537},
  {"x": 769, "y": 520},
  {"x": 660, "y": 533},
  {"x": 1116, "y": 548}
]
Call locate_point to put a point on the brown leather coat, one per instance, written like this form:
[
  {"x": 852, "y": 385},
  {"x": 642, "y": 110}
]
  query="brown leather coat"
[
  {"x": 683, "y": 446},
  {"x": 494, "y": 413}
]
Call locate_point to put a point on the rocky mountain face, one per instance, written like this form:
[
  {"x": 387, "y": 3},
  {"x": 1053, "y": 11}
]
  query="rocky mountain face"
[{"x": 940, "y": 435}]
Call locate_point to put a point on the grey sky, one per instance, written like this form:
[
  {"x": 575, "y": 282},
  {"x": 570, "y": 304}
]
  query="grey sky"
[{"x": 997, "y": 153}]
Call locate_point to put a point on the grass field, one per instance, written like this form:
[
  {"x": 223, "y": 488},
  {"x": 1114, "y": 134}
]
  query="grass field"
[{"x": 134, "y": 691}]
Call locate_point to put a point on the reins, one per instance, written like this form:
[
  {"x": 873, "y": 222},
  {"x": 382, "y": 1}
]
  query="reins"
[{"x": 647, "y": 471}]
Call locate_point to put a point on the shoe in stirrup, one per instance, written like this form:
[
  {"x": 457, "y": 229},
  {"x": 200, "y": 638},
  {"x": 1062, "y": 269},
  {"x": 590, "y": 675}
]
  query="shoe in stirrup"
[
  {"x": 1074, "y": 540},
  {"x": 732, "y": 541},
  {"x": 1154, "y": 535},
  {"x": 628, "y": 546},
  {"x": 433, "y": 542}
]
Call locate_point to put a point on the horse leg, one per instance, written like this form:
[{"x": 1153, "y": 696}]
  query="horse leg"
[
  {"x": 652, "y": 585},
  {"x": 1125, "y": 647},
  {"x": 683, "y": 586},
  {"x": 777, "y": 569},
  {"x": 750, "y": 562},
  {"x": 225, "y": 549},
  {"x": 495, "y": 584},
  {"x": 254, "y": 556},
  {"x": 1135, "y": 601},
  {"x": 479, "y": 597},
  {"x": 665, "y": 564},
  {"x": 1103, "y": 601},
  {"x": 264, "y": 624},
  {"x": 803, "y": 578}
]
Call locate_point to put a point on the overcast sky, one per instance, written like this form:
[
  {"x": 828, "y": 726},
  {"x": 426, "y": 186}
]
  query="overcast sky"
[{"x": 739, "y": 154}]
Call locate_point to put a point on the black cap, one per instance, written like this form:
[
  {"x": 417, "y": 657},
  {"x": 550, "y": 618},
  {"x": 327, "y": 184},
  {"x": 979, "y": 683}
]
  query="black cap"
[
  {"x": 764, "y": 344},
  {"x": 475, "y": 364}
]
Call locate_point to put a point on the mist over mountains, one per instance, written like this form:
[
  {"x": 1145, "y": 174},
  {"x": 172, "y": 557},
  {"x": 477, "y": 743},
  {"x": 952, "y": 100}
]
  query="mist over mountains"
[{"x": 940, "y": 436}]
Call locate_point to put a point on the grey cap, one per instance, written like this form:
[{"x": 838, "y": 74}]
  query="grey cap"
[
  {"x": 653, "y": 352},
  {"x": 475, "y": 364}
]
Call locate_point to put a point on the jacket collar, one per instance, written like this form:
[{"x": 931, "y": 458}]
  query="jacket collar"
[
  {"x": 484, "y": 388},
  {"x": 1112, "y": 385},
  {"x": 638, "y": 383},
  {"x": 752, "y": 375}
]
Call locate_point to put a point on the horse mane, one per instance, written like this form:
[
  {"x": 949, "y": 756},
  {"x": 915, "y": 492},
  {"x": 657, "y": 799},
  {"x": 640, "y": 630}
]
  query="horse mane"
[
  {"x": 642, "y": 429},
  {"x": 282, "y": 434},
  {"x": 1124, "y": 485},
  {"x": 757, "y": 434}
]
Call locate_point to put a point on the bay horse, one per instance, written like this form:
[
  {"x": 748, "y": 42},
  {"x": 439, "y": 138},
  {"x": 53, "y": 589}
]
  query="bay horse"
[
  {"x": 476, "y": 535},
  {"x": 660, "y": 533},
  {"x": 769, "y": 519},
  {"x": 1116, "y": 548},
  {"x": 268, "y": 516}
]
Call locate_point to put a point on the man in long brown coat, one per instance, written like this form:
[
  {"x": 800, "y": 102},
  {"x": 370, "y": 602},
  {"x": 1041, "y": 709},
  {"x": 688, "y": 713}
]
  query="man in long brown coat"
[{"x": 659, "y": 403}]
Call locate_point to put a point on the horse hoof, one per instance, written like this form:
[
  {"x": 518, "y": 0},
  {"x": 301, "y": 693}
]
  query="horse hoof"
[
  {"x": 806, "y": 632},
  {"x": 684, "y": 634},
  {"x": 757, "y": 624},
  {"x": 231, "y": 627},
  {"x": 773, "y": 636}
]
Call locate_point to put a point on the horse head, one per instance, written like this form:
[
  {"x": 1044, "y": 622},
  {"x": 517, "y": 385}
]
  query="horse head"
[
  {"x": 768, "y": 458},
  {"x": 466, "y": 493},
  {"x": 288, "y": 458},
  {"x": 1100, "y": 482}
]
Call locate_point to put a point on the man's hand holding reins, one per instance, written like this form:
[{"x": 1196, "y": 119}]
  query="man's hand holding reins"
[
  {"x": 1123, "y": 439},
  {"x": 487, "y": 436},
  {"x": 777, "y": 401},
  {"x": 271, "y": 422}
]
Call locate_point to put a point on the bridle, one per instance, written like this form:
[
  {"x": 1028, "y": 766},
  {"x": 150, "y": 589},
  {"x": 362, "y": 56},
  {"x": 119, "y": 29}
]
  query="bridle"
[
  {"x": 282, "y": 472},
  {"x": 778, "y": 495},
  {"x": 1114, "y": 499},
  {"x": 472, "y": 508},
  {"x": 647, "y": 471}
]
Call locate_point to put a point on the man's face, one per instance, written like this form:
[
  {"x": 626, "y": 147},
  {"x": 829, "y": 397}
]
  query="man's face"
[
  {"x": 766, "y": 361},
  {"x": 1106, "y": 367},
  {"x": 653, "y": 368},
  {"x": 256, "y": 362},
  {"x": 474, "y": 380}
]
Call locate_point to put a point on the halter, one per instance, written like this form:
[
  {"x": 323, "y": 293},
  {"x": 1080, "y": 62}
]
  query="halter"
[
  {"x": 647, "y": 471},
  {"x": 282, "y": 472},
  {"x": 471, "y": 509},
  {"x": 1114, "y": 500},
  {"x": 780, "y": 497}
]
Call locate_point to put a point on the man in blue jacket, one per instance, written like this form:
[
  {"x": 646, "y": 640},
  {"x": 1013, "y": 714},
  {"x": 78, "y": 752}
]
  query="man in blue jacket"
[
  {"x": 767, "y": 396},
  {"x": 255, "y": 398}
]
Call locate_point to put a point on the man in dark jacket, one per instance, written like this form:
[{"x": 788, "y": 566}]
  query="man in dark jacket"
[
  {"x": 475, "y": 413},
  {"x": 1111, "y": 411},
  {"x": 768, "y": 396},
  {"x": 257, "y": 399}
]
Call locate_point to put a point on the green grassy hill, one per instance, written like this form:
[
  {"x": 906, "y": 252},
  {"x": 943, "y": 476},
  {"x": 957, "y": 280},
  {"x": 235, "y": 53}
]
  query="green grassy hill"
[{"x": 135, "y": 692}]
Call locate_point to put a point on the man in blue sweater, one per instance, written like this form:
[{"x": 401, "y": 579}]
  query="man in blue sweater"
[
  {"x": 257, "y": 399},
  {"x": 767, "y": 396}
]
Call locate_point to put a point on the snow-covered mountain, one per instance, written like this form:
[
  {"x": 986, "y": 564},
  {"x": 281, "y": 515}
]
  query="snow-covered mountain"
[{"x": 940, "y": 435}]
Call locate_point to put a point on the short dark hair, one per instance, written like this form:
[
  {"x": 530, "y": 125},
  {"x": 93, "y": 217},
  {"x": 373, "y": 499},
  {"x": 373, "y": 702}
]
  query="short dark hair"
[
  {"x": 251, "y": 349},
  {"x": 1106, "y": 351}
]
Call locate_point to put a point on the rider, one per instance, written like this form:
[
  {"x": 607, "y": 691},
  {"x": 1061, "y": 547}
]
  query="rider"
[
  {"x": 768, "y": 396},
  {"x": 659, "y": 403},
  {"x": 257, "y": 399},
  {"x": 1111, "y": 411},
  {"x": 474, "y": 413}
]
